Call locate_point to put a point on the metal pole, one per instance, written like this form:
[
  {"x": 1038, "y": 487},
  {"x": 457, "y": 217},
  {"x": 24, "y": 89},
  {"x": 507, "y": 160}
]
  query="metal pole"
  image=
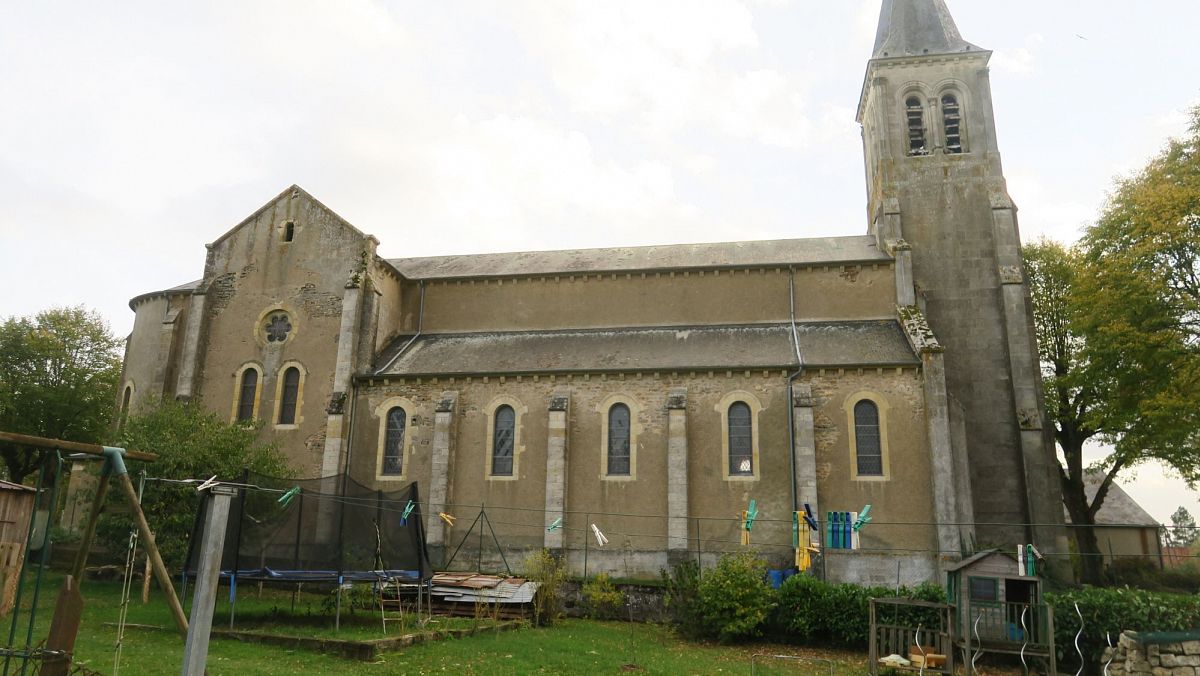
[
  {"x": 216, "y": 519},
  {"x": 587, "y": 521}
]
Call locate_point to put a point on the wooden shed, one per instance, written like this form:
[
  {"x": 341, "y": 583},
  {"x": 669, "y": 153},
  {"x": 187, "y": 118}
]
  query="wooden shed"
[
  {"x": 16, "y": 509},
  {"x": 1000, "y": 608}
]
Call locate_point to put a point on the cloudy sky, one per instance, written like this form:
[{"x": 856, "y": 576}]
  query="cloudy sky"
[{"x": 132, "y": 133}]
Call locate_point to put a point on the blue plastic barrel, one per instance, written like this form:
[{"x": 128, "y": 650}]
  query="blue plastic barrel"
[{"x": 775, "y": 577}]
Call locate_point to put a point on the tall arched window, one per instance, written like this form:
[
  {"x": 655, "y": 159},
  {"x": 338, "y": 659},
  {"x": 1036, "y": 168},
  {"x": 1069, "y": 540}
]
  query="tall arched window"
[
  {"x": 952, "y": 124},
  {"x": 247, "y": 394},
  {"x": 502, "y": 441},
  {"x": 618, "y": 440},
  {"x": 393, "y": 444},
  {"x": 291, "y": 393},
  {"x": 741, "y": 439},
  {"x": 914, "y": 113},
  {"x": 867, "y": 444}
]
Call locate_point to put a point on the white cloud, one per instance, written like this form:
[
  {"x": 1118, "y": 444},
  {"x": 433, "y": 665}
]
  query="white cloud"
[{"x": 1018, "y": 60}]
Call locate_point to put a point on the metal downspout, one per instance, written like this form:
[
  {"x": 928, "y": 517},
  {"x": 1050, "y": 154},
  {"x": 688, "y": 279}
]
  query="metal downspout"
[
  {"x": 420, "y": 322},
  {"x": 791, "y": 415}
]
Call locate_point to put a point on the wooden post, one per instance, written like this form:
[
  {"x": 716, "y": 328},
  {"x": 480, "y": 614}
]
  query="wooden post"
[
  {"x": 64, "y": 628},
  {"x": 156, "y": 562},
  {"x": 89, "y": 531},
  {"x": 216, "y": 518},
  {"x": 146, "y": 582}
]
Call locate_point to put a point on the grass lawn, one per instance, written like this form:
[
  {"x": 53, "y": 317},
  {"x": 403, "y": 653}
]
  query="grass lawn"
[{"x": 569, "y": 647}]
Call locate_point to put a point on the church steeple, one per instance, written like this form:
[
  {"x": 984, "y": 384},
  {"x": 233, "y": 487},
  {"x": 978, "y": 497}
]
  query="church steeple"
[{"x": 916, "y": 28}]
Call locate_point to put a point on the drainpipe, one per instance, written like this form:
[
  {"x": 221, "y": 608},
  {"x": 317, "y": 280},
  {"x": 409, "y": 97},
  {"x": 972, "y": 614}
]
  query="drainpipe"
[
  {"x": 420, "y": 322},
  {"x": 791, "y": 415},
  {"x": 354, "y": 384}
]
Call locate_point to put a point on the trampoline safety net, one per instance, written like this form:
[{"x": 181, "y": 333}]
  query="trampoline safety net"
[{"x": 334, "y": 528}]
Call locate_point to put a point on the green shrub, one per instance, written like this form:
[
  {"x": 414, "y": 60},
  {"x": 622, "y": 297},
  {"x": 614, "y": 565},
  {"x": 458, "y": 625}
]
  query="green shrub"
[
  {"x": 813, "y": 611},
  {"x": 1111, "y": 611},
  {"x": 601, "y": 598},
  {"x": 735, "y": 600},
  {"x": 550, "y": 574},
  {"x": 682, "y": 597}
]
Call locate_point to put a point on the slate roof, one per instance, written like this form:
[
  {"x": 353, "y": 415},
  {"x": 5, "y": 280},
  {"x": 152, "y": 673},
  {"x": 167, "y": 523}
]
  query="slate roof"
[
  {"x": 822, "y": 344},
  {"x": 814, "y": 251},
  {"x": 1119, "y": 509},
  {"x": 916, "y": 27}
]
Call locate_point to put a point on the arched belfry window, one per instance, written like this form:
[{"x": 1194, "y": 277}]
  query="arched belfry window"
[
  {"x": 291, "y": 394},
  {"x": 618, "y": 440},
  {"x": 741, "y": 440},
  {"x": 393, "y": 444},
  {"x": 503, "y": 438},
  {"x": 952, "y": 124},
  {"x": 914, "y": 114},
  {"x": 868, "y": 446},
  {"x": 247, "y": 394}
]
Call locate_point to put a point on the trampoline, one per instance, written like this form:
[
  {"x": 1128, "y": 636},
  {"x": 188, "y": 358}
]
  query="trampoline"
[{"x": 333, "y": 530}]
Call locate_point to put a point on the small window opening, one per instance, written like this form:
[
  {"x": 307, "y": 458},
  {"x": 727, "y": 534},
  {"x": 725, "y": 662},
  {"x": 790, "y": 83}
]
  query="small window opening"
[
  {"x": 741, "y": 439},
  {"x": 866, "y": 439},
  {"x": 249, "y": 389},
  {"x": 289, "y": 231},
  {"x": 502, "y": 441},
  {"x": 393, "y": 448},
  {"x": 291, "y": 394},
  {"x": 125, "y": 406},
  {"x": 952, "y": 122},
  {"x": 915, "y": 114},
  {"x": 618, "y": 440}
]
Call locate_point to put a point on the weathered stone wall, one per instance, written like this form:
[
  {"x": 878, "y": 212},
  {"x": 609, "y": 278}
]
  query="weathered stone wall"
[
  {"x": 252, "y": 271},
  {"x": 954, "y": 211},
  {"x": 151, "y": 353},
  {"x": 685, "y": 298},
  {"x": 632, "y": 511},
  {"x": 1130, "y": 657}
]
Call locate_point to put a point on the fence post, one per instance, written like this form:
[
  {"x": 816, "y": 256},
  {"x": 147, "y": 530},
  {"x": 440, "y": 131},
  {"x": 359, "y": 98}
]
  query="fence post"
[
  {"x": 195, "y": 651},
  {"x": 587, "y": 523}
]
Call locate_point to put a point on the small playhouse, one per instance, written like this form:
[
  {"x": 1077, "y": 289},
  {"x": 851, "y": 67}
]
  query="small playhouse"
[{"x": 999, "y": 605}]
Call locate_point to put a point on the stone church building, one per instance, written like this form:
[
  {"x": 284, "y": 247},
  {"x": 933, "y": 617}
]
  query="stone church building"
[{"x": 655, "y": 391}]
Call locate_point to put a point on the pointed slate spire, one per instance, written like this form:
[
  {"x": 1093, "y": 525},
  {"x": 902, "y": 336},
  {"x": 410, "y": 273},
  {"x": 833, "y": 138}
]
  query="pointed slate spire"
[{"x": 916, "y": 27}]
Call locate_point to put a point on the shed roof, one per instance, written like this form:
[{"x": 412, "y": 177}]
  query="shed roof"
[
  {"x": 1118, "y": 509},
  {"x": 813, "y": 251},
  {"x": 861, "y": 343},
  {"x": 10, "y": 486}
]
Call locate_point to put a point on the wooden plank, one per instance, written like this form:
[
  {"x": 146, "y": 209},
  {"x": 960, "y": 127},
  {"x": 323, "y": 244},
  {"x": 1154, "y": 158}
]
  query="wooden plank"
[
  {"x": 73, "y": 446},
  {"x": 64, "y": 628}
]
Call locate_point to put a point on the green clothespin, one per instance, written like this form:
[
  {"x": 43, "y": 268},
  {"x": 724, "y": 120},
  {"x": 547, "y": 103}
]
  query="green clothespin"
[
  {"x": 863, "y": 519},
  {"x": 286, "y": 498},
  {"x": 407, "y": 510},
  {"x": 555, "y": 525},
  {"x": 751, "y": 514}
]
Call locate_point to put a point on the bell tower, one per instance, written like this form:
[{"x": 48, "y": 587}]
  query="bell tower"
[{"x": 935, "y": 184}]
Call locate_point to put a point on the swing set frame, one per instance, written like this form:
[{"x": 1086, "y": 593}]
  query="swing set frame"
[{"x": 56, "y": 655}]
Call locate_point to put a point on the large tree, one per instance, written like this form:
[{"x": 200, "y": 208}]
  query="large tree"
[
  {"x": 1141, "y": 286},
  {"x": 1118, "y": 321},
  {"x": 58, "y": 377},
  {"x": 1077, "y": 390},
  {"x": 191, "y": 443}
]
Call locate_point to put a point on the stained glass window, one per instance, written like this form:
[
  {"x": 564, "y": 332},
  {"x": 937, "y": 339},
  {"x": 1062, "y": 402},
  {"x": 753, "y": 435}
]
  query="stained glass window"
[
  {"x": 291, "y": 393},
  {"x": 866, "y": 439},
  {"x": 393, "y": 444},
  {"x": 618, "y": 440},
  {"x": 741, "y": 440},
  {"x": 277, "y": 328},
  {"x": 502, "y": 441},
  {"x": 249, "y": 389}
]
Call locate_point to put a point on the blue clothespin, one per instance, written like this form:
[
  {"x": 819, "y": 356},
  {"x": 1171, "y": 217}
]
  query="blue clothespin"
[
  {"x": 554, "y": 525},
  {"x": 407, "y": 510},
  {"x": 863, "y": 519},
  {"x": 809, "y": 518},
  {"x": 286, "y": 498}
]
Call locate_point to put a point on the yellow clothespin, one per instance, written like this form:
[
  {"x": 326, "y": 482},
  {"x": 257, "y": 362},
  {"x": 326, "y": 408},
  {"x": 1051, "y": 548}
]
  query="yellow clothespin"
[{"x": 448, "y": 518}]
